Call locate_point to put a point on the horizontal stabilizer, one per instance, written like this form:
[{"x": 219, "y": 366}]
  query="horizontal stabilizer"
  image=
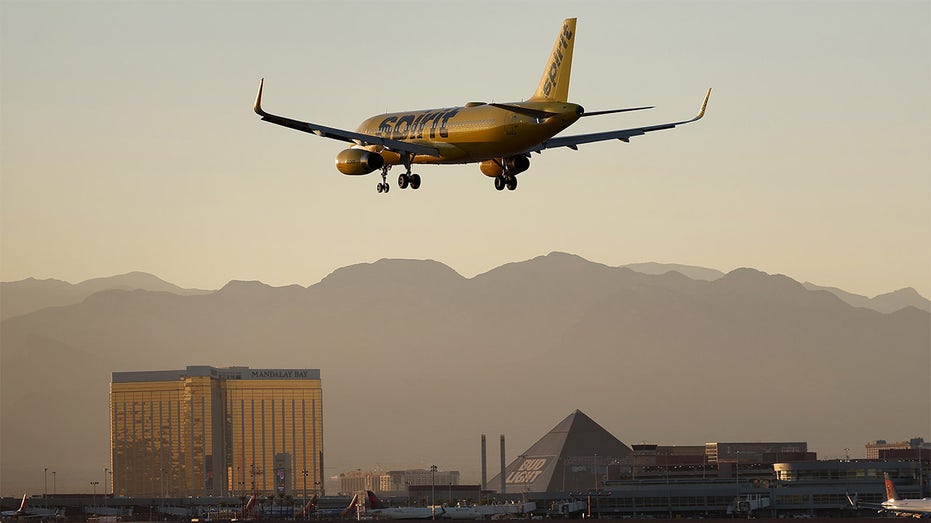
[
  {"x": 612, "y": 111},
  {"x": 526, "y": 111}
]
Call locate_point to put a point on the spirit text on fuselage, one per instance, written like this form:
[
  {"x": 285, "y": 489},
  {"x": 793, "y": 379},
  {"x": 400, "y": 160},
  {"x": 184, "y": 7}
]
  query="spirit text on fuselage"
[{"x": 412, "y": 126}]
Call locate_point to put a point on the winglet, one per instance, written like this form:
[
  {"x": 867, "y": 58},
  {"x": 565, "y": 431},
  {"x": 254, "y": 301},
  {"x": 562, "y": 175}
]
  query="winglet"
[
  {"x": 258, "y": 100},
  {"x": 700, "y": 113}
]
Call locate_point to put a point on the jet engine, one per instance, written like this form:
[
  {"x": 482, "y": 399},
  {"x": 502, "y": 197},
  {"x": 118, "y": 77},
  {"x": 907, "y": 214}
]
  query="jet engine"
[
  {"x": 514, "y": 165},
  {"x": 491, "y": 168},
  {"x": 358, "y": 161},
  {"x": 518, "y": 164}
]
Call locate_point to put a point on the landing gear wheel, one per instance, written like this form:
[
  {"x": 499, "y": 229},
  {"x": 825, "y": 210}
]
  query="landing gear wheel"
[
  {"x": 403, "y": 181},
  {"x": 387, "y": 186},
  {"x": 499, "y": 182},
  {"x": 511, "y": 182},
  {"x": 415, "y": 181},
  {"x": 383, "y": 187}
]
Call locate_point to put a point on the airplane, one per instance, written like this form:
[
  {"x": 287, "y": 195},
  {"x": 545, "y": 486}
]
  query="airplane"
[
  {"x": 500, "y": 137},
  {"x": 377, "y": 509},
  {"x": 325, "y": 513},
  {"x": 898, "y": 506},
  {"x": 24, "y": 512}
]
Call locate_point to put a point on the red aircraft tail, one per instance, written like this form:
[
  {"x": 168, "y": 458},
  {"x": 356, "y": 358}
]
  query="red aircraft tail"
[
  {"x": 247, "y": 509},
  {"x": 308, "y": 508},
  {"x": 890, "y": 488},
  {"x": 374, "y": 502},
  {"x": 352, "y": 503}
]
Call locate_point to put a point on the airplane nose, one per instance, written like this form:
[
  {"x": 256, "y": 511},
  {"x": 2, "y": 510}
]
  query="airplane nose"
[{"x": 579, "y": 111}]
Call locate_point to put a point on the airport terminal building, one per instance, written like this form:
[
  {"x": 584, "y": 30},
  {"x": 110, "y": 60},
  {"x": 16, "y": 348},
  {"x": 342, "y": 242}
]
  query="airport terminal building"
[
  {"x": 579, "y": 466},
  {"x": 207, "y": 431}
]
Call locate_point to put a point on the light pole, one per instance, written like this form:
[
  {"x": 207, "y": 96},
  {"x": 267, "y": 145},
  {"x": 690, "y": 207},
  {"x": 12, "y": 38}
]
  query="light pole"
[
  {"x": 94, "y": 498},
  {"x": 595, "y": 471},
  {"x": 304, "y": 472},
  {"x": 45, "y": 494},
  {"x": 54, "y": 488},
  {"x": 106, "y": 478},
  {"x": 432, "y": 491}
]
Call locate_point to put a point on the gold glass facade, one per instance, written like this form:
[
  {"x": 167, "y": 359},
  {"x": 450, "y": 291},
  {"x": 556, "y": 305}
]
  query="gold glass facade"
[
  {"x": 206, "y": 431},
  {"x": 273, "y": 418}
]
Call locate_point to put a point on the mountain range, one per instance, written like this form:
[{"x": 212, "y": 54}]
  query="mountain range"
[{"x": 417, "y": 360}]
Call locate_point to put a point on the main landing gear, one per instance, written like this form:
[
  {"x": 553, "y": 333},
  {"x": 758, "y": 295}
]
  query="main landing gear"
[
  {"x": 506, "y": 180},
  {"x": 405, "y": 179}
]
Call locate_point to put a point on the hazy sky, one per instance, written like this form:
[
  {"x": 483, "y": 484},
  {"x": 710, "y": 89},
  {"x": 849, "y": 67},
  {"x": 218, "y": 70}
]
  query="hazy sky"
[{"x": 129, "y": 141}]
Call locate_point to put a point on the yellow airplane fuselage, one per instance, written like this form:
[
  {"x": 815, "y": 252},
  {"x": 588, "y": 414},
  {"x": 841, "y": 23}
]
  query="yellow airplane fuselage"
[{"x": 474, "y": 133}]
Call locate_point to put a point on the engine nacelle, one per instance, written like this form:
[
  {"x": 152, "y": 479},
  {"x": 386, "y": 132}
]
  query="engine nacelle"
[
  {"x": 491, "y": 168},
  {"x": 517, "y": 164},
  {"x": 358, "y": 161},
  {"x": 514, "y": 164}
]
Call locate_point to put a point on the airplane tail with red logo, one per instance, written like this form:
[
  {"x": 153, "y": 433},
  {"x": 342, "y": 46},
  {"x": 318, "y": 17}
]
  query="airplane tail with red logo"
[
  {"x": 374, "y": 502},
  {"x": 352, "y": 504},
  {"x": 22, "y": 506},
  {"x": 308, "y": 508},
  {"x": 248, "y": 508},
  {"x": 891, "y": 494}
]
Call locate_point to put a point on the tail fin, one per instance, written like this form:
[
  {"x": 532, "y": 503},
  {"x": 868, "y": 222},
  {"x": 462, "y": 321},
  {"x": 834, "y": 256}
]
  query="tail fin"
[
  {"x": 374, "y": 502},
  {"x": 247, "y": 510},
  {"x": 308, "y": 508},
  {"x": 22, "y": 506},
  {"x": 890, "y": 488},
  {"x": 554, "y": 85},
  {"x": 352, "y": 504}
]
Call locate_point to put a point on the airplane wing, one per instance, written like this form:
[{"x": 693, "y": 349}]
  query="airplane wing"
[
  {"x": 340, "y": 134},
  {"x": 624, "y": 135}
]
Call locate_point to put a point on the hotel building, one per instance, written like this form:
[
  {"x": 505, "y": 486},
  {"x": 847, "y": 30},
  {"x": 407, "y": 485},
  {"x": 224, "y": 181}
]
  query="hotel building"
[{"x": 207, "y": 431}]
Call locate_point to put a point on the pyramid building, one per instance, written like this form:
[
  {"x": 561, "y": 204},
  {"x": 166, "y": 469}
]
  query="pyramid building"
[{"x": 573, "y": 456}]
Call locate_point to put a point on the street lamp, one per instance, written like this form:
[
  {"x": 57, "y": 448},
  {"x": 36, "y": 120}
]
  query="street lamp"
[
  {"x": 432, "y": 491},
  {"x": 94, "y": 498},
  {"x": 106, "y": 477},
  {"x": 45, "y": 494},
  {"x": 54, "y": 489},
  {"x": 304, "y": 472}
]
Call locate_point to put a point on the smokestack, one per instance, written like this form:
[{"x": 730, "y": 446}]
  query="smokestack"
[
  {"x": 503, "y": 477},
  {"x": 484, "y": 466}
]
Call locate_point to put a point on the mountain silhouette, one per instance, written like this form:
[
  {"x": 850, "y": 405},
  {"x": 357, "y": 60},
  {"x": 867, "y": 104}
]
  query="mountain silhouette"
[
  {"x": 417, "y": 361},
  {"x": 889, "y": 302},
  {"x": 29, "y": 295}
]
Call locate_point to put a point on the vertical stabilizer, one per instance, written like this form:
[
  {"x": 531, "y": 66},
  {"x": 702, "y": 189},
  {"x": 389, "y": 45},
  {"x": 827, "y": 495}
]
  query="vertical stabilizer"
[
  {"x": 554, "y": 85},
  {"x": 891, "y": 494},
  {"x": 374, "y": 502}
]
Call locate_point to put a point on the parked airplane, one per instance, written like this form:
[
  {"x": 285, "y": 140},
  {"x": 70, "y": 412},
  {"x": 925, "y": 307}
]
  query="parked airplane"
[
  {"x": 895, "y": 504},
  {"x": 311, "y": 509},
  {"x": 24, "y": 512},
  {"x": 498, "y": 136},
  {"x": 489, "y": 511},
  {"x": 377, "y": 509}
]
